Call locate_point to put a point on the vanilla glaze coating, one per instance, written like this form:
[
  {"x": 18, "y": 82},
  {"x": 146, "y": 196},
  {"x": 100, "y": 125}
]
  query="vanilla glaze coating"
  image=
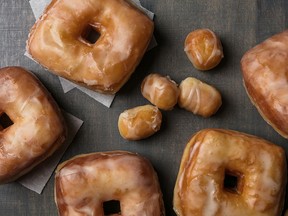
[
  {"x": 160, "y": 91},
  {"x": 204, "y": 49},
  {"x": 57, "y": 41},
  {"x": 84, "y": 182},
  {"x": 260, "y": 168},
  {"x": 139, "y": 122},
  {"x": 38, "y": 128},
  {"x": 198, "y": 97},
  {"x": 265, "y": 74}
]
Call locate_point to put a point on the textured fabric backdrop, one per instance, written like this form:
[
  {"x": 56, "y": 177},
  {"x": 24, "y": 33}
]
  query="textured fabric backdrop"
[{"x": 240, "y": 24}]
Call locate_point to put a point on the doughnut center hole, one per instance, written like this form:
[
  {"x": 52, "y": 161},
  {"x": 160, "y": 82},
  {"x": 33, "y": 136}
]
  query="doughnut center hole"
[
  {"x": 112, "y": 207},
  {"x": 91, "y": 34},
  {"x": 231, "y": 182},
  {"x": 5, "y": 121}
]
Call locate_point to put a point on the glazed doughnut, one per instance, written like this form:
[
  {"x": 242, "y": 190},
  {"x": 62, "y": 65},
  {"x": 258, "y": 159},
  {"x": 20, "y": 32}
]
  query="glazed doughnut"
[
  {"x": 139, "y": 122},
  {"x": 160, "y": 91},
  {"x": 198, "y": 97},
  {"x": 204, "y": 49},
  {"x": 226, "y": 172},
  {"x": 265, "y": 77},
  {"x": 85, "y": 182},
  {"x": 38, "y": 128},
  {"x": 58, "y": 41}
]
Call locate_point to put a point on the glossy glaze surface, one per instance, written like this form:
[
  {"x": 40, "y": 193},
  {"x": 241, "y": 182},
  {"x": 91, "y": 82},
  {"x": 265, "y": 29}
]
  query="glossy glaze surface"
[
  {"x": 83, "y": 183},
  {"x": 160, "y": 91},
  {"x": 198, "y": 97},
  {"x": 204, "y": 49},
  {"x": 38, "y": 127},
  {"x": 57, "y": 41},
  {"x": 139, "y": 122},
  {"x": 239, "y": 24},
  {"x": 259, "y": 165},
  {"x": 265, "y": 74}
]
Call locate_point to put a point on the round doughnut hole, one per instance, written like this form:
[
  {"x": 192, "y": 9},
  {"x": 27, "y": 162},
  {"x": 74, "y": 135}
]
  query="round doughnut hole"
[
  {"x": 112, "y": 207},
  {"x": 232, "y": 182},
  {"x": 5, "y": 121},
  {"x": 90, "y": 35},
  {"x": 204, "y": 49}
]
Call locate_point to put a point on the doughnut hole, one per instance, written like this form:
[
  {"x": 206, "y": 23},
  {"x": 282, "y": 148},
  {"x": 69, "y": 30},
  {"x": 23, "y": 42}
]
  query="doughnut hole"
[
  {"x": 232, "y": 182},
  {"x": 160, "y": 91},
  {"x": 204, "y": 49},
  {"x": 139, "y": 122},
  {"x": 198, "y": 97},
  {"x": 90, "y": 34},
  {"x": 112, "y": 207},
  {"x": 5, "y": 121}
]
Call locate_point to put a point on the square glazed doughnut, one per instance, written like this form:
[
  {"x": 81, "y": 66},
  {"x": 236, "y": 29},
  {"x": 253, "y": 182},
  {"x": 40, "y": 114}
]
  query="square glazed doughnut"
[
  {"x": 58, "y": 41},
  {"x": 84, "y": 183},
  {"x": 38, "y": 128},
  {"x": 226, "y": 172},
  {"x": 265, "y": 74}
]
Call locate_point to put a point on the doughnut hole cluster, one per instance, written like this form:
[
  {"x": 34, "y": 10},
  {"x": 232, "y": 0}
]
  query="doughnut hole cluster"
[
  {"x": 204, "y": 49},
  {"x": 192, "y": 95}
]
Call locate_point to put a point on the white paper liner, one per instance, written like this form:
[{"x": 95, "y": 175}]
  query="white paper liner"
[
  {"x": 106, "y": 100},
  {"x": 37, "y": 179},
  {"x": 38, "y": 7}
]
